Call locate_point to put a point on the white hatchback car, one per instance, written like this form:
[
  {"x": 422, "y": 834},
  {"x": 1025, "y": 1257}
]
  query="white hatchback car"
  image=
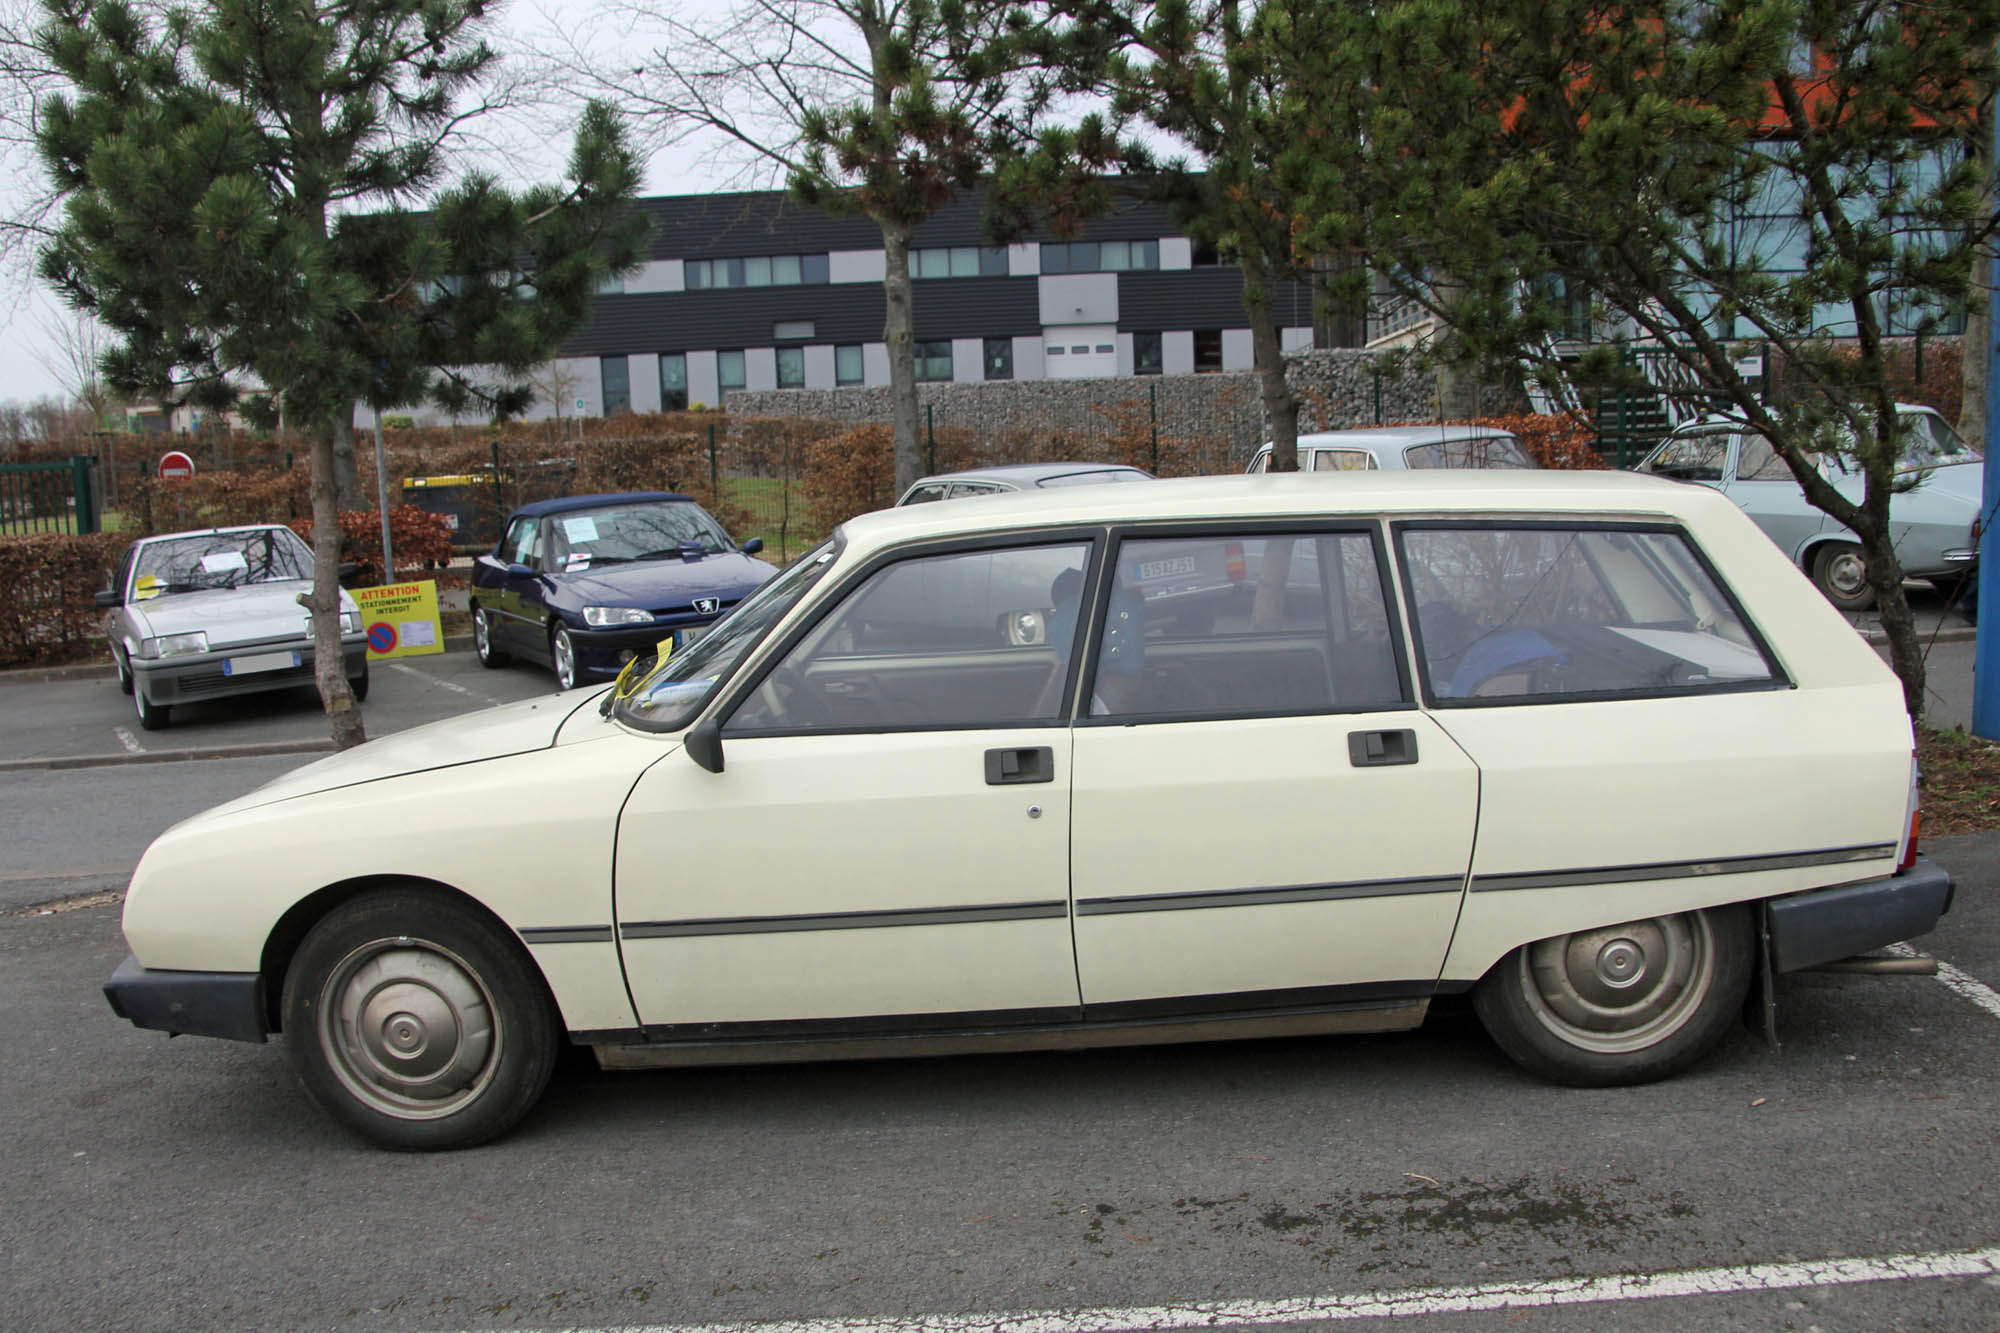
[
  {"x": 1504, "y": 740},
  {"x": 209, "y": 614}
]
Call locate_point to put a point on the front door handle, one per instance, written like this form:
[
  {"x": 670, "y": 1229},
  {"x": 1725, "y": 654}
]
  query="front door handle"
[
  {"x": 1035, "y": 763},
  {"x": 1379, "y": 749}
]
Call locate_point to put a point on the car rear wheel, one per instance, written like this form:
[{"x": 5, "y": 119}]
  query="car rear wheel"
[
  {"x": 1628, "y": 1003},
  {"x": 359, "y": 684},
  {"x": 482, "y": 639},
  {"x": 152, "y": 716},
  {"x": 562, "y": 657},
  {"x": 418, "y": 1023},
  {"x": 1841, "y": 572}
]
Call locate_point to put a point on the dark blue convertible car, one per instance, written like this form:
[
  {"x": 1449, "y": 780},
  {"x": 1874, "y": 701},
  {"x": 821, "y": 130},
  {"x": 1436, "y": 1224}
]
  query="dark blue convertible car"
[{"x": 588, "y": 582}]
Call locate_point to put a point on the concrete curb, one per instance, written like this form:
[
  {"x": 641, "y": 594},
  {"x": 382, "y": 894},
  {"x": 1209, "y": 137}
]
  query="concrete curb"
[{"x": 254, "y": 750}]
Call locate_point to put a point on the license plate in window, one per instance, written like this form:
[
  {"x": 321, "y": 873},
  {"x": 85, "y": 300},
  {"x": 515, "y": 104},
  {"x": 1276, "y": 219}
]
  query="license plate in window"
[
  {"x": 244, "y": 666},
  {"x": 1165, "y": 569}
]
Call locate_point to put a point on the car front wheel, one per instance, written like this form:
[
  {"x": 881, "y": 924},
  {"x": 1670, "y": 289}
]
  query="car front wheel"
[
  {"x": 124, "y": 670},
  {"x": 418, "y": 1023},
  {"x": 152, "y": 716},
  {"x": 562, "y": 657},
  {"x": 1841, "y": 572},
  {"x": 482, "y": 639},
  {"x": 1629, "y": 1003}
]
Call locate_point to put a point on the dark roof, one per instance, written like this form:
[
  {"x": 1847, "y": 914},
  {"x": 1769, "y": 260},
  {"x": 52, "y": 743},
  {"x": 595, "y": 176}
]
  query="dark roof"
[{"x": 568, "y": 503}]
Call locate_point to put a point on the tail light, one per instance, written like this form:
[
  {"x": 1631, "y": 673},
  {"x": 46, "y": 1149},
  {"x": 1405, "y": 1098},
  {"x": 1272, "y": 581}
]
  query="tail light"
[
  {"x": 1232, "y": 561},
  {"x": 1906, "y": 855}
]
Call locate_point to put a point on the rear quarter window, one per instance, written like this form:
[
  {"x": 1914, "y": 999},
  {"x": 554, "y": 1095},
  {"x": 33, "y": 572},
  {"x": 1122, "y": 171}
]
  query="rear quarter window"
[{"x": 1548, "y": 612}]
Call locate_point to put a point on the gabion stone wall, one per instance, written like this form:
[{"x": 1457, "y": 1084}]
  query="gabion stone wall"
[{"x": 1338, "y": 387}]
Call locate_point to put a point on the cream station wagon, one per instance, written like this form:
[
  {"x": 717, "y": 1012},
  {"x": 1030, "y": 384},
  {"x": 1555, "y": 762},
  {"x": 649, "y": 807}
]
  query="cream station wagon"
[{"x": 1585, "y": 745}]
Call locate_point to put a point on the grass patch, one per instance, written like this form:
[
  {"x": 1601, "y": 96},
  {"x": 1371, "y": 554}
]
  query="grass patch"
[
  {"x": 764, "y": 498},
  {"x": 1961, "y": 792}
]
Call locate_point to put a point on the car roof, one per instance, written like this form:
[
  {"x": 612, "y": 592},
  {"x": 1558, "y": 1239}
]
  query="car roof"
[
  {"x": 211, "y": 532},
  {"x": 1712, "y": 420},
  {"x": 1395, "y": 437},
  {"x": 1467, "y": 493},
  {"x": 1025, "y": 474},
  {"x": 565, "y": 504}
]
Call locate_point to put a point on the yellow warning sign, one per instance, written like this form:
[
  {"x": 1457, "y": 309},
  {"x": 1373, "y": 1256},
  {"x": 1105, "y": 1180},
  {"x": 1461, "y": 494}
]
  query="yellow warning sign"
[{"x": 401, "y": 619}]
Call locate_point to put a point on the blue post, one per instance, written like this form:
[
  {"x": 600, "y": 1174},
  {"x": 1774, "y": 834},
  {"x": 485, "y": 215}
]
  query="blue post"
[{"x": 1985, "y": 667}]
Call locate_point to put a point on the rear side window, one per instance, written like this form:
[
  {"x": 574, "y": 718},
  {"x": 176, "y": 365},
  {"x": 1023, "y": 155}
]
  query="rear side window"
[
  {"x": 1478, "y": 451},
  {"x": 1696, "y": 457},
  {"x": 1548, "y": 612}
]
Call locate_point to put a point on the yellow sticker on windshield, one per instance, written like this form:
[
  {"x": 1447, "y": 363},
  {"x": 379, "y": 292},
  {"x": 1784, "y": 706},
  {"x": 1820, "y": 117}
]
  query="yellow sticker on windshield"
[{"x": 148, "y": 585}]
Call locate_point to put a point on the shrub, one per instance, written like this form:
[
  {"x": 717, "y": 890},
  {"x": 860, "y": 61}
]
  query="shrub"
[
  {"x": 419, "y": 539},
  {"x": 48, "y": 612},
  {"x": 850, "y": 473}
]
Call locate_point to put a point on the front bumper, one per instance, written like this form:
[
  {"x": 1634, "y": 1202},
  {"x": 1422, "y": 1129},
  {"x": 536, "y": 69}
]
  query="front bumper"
[
  {"x": 198, "y": 1004},
  {"x": 190, "y": 676},
  {"x": 602, "y": 653},
  {"x": 1822, "y": 925}
]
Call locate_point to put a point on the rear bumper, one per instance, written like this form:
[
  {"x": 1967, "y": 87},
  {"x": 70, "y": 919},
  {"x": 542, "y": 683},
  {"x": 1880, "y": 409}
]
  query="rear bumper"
[
  {"x": 1822, "y": 925},
  {"x": 199, "y": 1004}
]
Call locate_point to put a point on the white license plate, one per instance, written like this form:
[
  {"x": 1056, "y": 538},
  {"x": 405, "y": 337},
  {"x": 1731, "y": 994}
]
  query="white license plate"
[
  {"x": 690, "y": 635},
  {"x": 1165, "y": 569},
  {"x": 244, "y": 666}
]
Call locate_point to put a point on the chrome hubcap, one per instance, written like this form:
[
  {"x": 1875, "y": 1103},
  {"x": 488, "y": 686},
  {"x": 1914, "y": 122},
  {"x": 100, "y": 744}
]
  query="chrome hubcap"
[
  {"x": 409, "y": 1029},
  {"x": 1848, "y": 573},
  {"x": 480, "y": 640},
  {"x": 1621, "y": 988},
  {"x": 565, "y": 653}
]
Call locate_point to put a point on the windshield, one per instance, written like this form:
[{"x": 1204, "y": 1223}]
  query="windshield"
[
  {"x": 648, "y": 530},
  {"x": 1932, "y": 441},
  {"x": 219, "y": 560},
  {"x": 665, "y": 695}
]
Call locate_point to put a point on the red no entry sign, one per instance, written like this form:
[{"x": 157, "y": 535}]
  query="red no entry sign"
[{"x": 176, "y": 466}]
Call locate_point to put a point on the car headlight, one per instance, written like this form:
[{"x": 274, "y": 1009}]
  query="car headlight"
[
  {"x": 350, "y": 622},
  {"x": 599, "y": 617},
  {"x": 174, "y": 645}
]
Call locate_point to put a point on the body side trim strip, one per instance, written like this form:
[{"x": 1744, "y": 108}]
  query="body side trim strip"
[
  {"x": 1053, "y": 909},
  {"x": 1721, "y": 865},
  {"x": 566, "y": 934},
  {"x": 1259, "y": 897}
]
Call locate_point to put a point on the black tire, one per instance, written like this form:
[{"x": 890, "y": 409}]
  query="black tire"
[
  {"x": 359, "y": 684},
  {"x": 451, "y": 998},
  {"x": 562, "y": 656},
  {"x": 1842, "y": 575},
  {"x": 152, "y": 716},
  {"x": 482, "y": 640},
  {"x": 1629, "y": 1003},
  {"x": 124, "y": 671}
]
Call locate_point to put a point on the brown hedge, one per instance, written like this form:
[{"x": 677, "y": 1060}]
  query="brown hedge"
[{"x": 47, "y": 586}]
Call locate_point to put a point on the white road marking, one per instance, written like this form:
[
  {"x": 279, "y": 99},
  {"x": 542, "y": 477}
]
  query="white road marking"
[
  {"x": 128, "y": 740},
  {"x": 1952, "y": 979},
  {"x": 1413, "y": 1301},
  {"x": 451, "y": 685}
]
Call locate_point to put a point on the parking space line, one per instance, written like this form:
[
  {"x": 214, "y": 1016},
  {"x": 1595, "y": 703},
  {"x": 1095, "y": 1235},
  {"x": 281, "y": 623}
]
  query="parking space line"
[
  {"x": 451, "y": 685},
  {"x": 1414, "y": 1301},
  {"x": 128, "y": 740},
  {"x": 1958, "y": 982}
]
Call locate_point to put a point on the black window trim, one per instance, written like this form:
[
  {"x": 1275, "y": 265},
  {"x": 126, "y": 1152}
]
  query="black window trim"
[
  {"x": 830, "y": 597},
  {"x": 1230, "y": 529},
  {"x": 1780, "y": 679}
]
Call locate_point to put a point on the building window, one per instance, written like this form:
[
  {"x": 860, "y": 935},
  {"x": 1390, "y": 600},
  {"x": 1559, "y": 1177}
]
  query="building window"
[
  {"x": 792, "y": 330},
  {"x": 791, "y": 367},
  {"x": 847, "y": 366},
  {"x": 960, "y": 261},
  {"x": 999, "y": 358},
  {"x": 1148, "y": 354},
  {"x": 1207, "y": 351},
  {"x": 615, "y": 379},
  {"x": 611, "y": 284},
  {"x": 673, "y": 381},
  {"x": 1100, "y": 256},
  {"x": 729, "y": 373},
  {"x": 1205, "y": 255},
  {"x": 756, "y": 271},
  {"x": 934, "y": 361}
]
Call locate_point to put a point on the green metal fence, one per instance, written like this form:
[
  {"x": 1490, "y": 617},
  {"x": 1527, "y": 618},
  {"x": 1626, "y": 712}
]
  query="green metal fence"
[{"x": 49, "y": 497}]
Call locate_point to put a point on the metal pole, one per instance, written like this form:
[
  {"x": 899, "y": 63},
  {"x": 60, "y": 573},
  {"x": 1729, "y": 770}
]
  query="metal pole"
[
  {"x": 382, "y": 503},
  {"x": 1985, "y": 669}
]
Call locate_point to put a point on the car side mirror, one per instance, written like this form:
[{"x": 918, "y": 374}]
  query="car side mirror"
[
  {"x": 109, "y": 597},
  {"x": 704, "y": 744},
  {"x": 754, "y": 545},
  {"x": 517, "y": 570}
]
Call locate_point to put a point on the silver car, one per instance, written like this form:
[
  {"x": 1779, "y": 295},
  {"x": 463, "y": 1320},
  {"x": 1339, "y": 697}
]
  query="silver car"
[
  {"x": 204, "y": 615},
  {"x": 1392, "y": 447},
  {"x": 1933, "y": 522},
  {"x": 1016, "y": 477}
]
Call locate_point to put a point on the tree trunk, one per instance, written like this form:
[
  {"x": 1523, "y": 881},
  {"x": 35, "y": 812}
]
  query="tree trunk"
[
  {"x": 1457, "y": 380},
  {"x": 899, "y": 331},
  {"x": 1975, "y": 349},
  {"x": 1906, "y": 652},
  {"x": 329, "y": 672},
  {"x": 346, "y": 471},
  {"x": 1281, "y": 405}
]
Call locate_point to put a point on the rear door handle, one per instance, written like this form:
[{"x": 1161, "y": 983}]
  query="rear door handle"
[
  {"x": 1029, "y": 764},
  {"x": 1379, "y": 749}
]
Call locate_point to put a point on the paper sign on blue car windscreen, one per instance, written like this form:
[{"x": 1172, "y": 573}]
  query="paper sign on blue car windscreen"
[{"x": 582, "y": 529}]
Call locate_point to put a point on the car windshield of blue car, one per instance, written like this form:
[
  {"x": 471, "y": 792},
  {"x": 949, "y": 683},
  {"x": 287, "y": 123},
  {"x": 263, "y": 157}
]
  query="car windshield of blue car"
[
  {"x": 664, "y": 695},
  {"x": 201, "y": 561},
  {"x": 616, "y": 534}
]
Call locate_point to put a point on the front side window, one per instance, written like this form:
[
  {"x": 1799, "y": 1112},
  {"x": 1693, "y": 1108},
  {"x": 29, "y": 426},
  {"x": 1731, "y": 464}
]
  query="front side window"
[
  {"x": 970, "y": 639},
  {"x": 1343, "y": 460},
  {"x": 934, "y": 361},
  {"x": 1700, "y": 456},
  {"x": 791, "y": 367},
  {"x": 1245, "y": 625},
  {"x": 673, "y": 381},
  {"x": 1545, "y": 613},
  {"x": 1758, "y": 461},
  {"x": 519, "y": 533},
  {"x": 615, "y": 381}
]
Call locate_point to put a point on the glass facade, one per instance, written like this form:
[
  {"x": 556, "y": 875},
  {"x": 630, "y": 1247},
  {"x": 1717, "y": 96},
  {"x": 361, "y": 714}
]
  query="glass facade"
[
  {"x": 755, "y": 271},
  {"x": 673, "y": 381},
  {"x": 615, "y": 379},
  {"x": 960, "y": 261},
  {"x": 1100, "y": 256}
]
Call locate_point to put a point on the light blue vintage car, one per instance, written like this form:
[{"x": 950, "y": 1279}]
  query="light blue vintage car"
[{"x": 1933, "y": 522}]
